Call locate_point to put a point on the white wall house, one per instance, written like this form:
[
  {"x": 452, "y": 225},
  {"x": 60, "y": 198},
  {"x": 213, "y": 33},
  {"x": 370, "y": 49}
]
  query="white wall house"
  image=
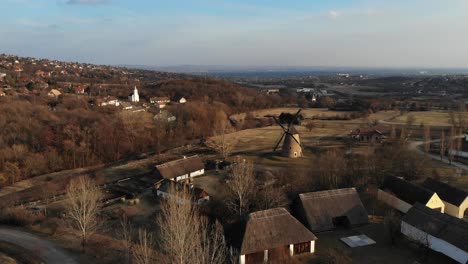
[
  {"x": 402, "y": 195},
  {"x": 182, "y": 169},
  {"x": 437, "y": 231},
  {"x": 454, "y": 199}
]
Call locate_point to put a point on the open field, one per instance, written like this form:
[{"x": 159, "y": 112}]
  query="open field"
[
  {"x": 307, "y": 112},
  {"x": 431, "y": 118}
]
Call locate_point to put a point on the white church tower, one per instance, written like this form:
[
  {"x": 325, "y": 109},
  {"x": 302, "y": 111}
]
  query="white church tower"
[{"x": 134, "y": 97}]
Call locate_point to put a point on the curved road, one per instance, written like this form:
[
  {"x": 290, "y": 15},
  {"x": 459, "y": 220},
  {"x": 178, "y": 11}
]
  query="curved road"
[
  {"x": 45, "y": 249},
  {"x": 415, "y": 145}
]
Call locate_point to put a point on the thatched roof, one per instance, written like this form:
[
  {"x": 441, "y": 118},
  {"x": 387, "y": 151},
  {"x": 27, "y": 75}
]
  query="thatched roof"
[
  {"x": 320, "y": 208},
  {"x": 180, "y": 167},
  {"x": 446, "y": 192},
  {"x": 271, "y": 229},
  {"x": 445, "y": 227},
  {"x": 407, "y": 191}
]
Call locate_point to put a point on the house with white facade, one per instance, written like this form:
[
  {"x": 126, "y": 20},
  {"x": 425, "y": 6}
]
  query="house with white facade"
[
  {"x": 183, "y": 192},
  {"x": 402, "y": 195},
  {"x": 439, "y": 232},
  {"x": 182, "y": 169},
  {"x": 455, "y": 199},
  {"x": 274, "y": 235}
]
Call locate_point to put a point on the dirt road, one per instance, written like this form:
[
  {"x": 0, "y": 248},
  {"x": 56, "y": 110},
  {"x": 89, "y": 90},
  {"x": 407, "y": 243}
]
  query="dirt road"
[{"x": 45, "y": 249}]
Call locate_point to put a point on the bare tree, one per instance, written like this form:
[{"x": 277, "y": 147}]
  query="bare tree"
[
  {"x": 241, "y": 186},
  {"x": 427, "y": 138},
  {"x": 442, "y": 145},
  {"x": 220, "y": 141},
  {"x": 126, "y": 236},
  {"x": 83, "y": 201},
  {"x": 451, "y": 145},
  {"x": 143, "y": 249},
  {"x": 186, "y": 236}
]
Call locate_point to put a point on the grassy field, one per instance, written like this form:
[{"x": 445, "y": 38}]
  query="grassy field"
[
  {"x": 431, "y": 118},
  {"x": 308, "y": 112}
]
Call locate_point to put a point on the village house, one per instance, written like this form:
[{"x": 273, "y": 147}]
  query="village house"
[
  {"x": 109, "y": 100},
  {"x": 367, "y": 135},
  {"x": 138, "y": 109},
  {"x": 160, "y": 102},
  {"x": 80, "y": 89},
  {"x": 179, "y": 99},
  {"x": 271, "y": 91},
  {"x": 165, "y": 116},
  {"x": 2, "y": 93},
  {"x": 182, "y": 169},
  {"x": 274, "y": 234},
  {"x": 134, "y": 97},
  {"x": 439, "y": 232},
  {"x": 326, "y": 210},
  {"x": 54, "y": 93},
  {"x": 126, "y": 106},
  {"x": 187, "y": 192},
  {"x": 455, "y": 199},
  {"x": 402, "y": 195}
]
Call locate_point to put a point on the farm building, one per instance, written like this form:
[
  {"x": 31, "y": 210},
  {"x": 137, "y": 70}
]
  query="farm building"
[
  {"x": 160, "y": 102},
  {"x": 367, "y": 135},
  {"x": 188, "y": 193},
  {"x": 455, "y": 200},
  {"x": 439, "y": 232},
  {"x": 325, "y": 210},
  {"x": 402, "y": 195},
  {"x": 182, "y": 169},
  {"x": 274, "y": 234}
]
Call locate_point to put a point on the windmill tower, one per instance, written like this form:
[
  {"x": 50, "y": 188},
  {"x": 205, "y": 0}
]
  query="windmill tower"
[{"x": 292, "y": 145}]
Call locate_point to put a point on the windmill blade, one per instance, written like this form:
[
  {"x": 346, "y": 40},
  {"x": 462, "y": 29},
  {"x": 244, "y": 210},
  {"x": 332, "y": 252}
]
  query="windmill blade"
[
  {"x": 294, "y": 118},
  {"x": 279, "y": 123},
  {"x": 279, "y": 141}
]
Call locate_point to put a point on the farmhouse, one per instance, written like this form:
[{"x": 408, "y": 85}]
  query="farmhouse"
[
  {"x": 367, "y": 135},
  {"x": 179, "y": 99},
  {"x": 439, "y": 232},
  {"x": 325, "y": 210},
  {"x": 182, "y": 169},
  {"x": 455, "y": 200},
  {"x": 160, "y": 102},
  {"x": 54, "y": 93},
  {"x": 402, "y": 195},
  {"x": 188, "y": 193},
  {"x": 126, "y": 106},
  {"x": 274, "y": 234},
  {"x": 109, "y": 100}
]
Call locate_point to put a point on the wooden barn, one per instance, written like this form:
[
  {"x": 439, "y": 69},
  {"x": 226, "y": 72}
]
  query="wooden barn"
[
  {"x": 182, "y": 169},
  {"x": 188, "y": 193},
  {"x": 402, "y": 195},
  {"x": 325, "y": 210},
  {"x": 455, "y": 200},
  {"x": 439, "y": 232},
  {"x": 274, "y": 234}
]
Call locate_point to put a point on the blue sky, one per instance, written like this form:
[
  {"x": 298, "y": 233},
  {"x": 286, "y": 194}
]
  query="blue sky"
[{"x": 365, "y": 33}]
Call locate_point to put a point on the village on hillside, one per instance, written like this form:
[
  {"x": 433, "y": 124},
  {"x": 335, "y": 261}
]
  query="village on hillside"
[{"x": 113, "y": 165}]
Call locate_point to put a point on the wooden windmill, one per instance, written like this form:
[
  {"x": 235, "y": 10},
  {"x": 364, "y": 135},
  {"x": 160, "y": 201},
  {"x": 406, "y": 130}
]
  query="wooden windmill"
[{"x": 292, "y": 145}]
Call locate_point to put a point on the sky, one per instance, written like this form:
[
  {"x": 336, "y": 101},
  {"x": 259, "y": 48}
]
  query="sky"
[{"x": 361, "y": 33}]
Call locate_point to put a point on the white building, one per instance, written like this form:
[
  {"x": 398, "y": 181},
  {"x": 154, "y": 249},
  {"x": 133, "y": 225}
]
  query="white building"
[
  {"x": 134, "y": 97},
  {"x": 439, "y": 232},
  {"x": 455, "y": 199}
]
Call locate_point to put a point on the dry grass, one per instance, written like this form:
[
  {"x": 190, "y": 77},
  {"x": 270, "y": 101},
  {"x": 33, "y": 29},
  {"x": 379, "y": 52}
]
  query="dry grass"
[
  {"x": 429, "y": 118},
  {"x": 309, "y": 112}
]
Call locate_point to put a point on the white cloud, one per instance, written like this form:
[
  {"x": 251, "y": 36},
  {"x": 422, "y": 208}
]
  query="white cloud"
[{"x": 334, "y": 14}]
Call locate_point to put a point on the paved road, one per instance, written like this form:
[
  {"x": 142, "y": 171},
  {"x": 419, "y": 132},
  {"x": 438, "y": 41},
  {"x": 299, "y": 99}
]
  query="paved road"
[
  {"x": 45, "y": 249},
  {"x": 415, "y": 145}
]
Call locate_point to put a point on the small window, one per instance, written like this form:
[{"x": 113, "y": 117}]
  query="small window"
[{"x": 295, "y": 154}]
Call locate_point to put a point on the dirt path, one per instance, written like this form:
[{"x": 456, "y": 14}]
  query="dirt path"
[{"x": 45, "y": 249}]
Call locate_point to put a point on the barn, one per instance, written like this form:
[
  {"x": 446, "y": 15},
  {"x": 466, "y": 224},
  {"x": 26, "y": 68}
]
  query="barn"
[
  {"x": 274, "y": 234},
  {"x": 439, "y": 232},
  {"x": 325, "y": 210},
  {"x": 402, "y": 195},
  {"x": 455, "y": 200},
  {"x": 182, "y": 169}
]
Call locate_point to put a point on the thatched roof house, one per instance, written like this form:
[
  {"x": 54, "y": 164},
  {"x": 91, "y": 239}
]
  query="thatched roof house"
[
  {"x": 274, "y": 233},
  {"x": 442, "y": 233},
  {"x": 325, "y": 209},
  {"x": 402, "y": 195},
  {"x": 182, "y": 169},
  {"x": 455, "y": 200}
]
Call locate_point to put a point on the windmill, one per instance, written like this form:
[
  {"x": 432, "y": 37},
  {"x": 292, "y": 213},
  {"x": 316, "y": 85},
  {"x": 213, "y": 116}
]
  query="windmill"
[{"x": 292, "y": 145}]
